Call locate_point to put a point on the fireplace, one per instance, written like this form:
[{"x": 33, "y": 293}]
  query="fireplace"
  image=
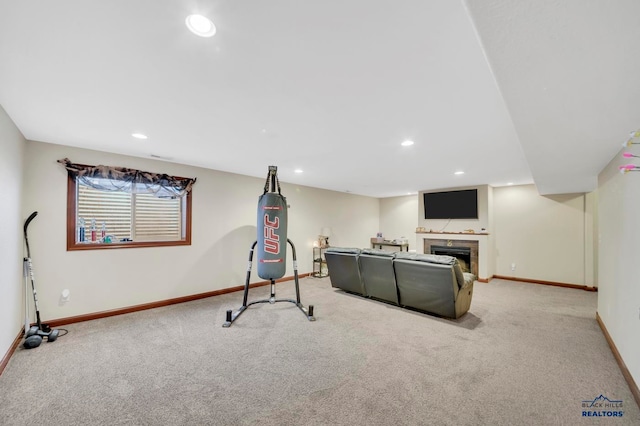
[
  {"x": 465, "y": 250},
  {"x": 463, "y": 254}
]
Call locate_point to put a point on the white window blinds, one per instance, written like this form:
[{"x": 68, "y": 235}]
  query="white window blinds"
[{"x": 129, "y": 217}]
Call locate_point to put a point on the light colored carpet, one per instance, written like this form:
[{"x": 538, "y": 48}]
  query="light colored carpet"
[{"x": 524, "y": 354}]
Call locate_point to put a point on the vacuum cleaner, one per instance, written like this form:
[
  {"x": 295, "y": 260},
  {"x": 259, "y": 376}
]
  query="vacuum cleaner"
[{"x": 35, "y": 333}]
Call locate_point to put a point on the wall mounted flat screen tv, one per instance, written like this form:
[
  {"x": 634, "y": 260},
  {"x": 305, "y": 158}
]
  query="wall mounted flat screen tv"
[{"x": 451, "y": 204}]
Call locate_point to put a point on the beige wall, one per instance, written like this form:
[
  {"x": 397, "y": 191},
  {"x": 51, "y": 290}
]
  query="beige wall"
[
  {"x": 548, "y": 238},
  {"x": 544, "y": 236},
  {"x": 11, "y": 241},
  {"x": 491, "y": 229},
  {"x": 618, "y": 254},
  {"x": 398, "y": 218},
  {"x": 224, "y": 227},
  {"x": 591, "y": 244}
]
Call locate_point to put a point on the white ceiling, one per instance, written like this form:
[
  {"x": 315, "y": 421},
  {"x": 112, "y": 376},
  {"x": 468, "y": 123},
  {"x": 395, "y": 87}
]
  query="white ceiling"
[{"x": 508, "y": 91}]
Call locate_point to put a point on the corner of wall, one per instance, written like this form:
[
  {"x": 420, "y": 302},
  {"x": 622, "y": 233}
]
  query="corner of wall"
[{"x": 12, "y": 151}]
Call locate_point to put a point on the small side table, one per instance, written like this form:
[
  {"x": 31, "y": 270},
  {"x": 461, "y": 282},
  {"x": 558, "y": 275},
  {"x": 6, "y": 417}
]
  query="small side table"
[{"x": 320, "y": 269}]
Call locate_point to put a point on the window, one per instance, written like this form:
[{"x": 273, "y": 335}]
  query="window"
[{"x": 111, "y": 213}]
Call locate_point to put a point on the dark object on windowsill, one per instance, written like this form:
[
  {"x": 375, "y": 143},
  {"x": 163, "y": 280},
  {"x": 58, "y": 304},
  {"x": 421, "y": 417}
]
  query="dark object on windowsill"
[{"x": 126, "y": 240}]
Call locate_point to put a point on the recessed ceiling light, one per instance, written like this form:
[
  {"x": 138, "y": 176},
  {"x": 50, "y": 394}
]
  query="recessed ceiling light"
[
  {"x": 510, "y": 183},
  {"x": 407, "y": 143},
  {"x": 200, "y": 25},
  {"x": 298, "y": 171},
  {"x": 139, "y": 135},
  {"x": 459, "y": 172}
]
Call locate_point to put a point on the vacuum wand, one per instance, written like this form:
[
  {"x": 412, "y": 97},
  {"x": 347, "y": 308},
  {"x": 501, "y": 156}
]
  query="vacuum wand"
[{"x": 35, "y": 334}]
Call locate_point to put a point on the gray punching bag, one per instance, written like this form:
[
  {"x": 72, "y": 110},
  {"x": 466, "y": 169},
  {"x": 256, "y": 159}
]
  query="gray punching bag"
[{"x": 272, "y": 232}]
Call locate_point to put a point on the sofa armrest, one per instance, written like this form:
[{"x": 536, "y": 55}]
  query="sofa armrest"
[{"x": 469, "y": 278}]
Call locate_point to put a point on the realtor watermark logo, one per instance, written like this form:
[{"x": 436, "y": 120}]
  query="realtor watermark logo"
[{"x": 601, "y": 406}]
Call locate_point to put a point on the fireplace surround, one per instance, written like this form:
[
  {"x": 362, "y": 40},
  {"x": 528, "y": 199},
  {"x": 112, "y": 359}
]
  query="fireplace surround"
[
  {"x": 463, "y": 254},
  {"x": 464, "y": 250}
]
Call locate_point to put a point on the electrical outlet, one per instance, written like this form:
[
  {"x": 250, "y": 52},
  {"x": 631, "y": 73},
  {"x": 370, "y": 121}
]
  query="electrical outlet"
[{"x": 513, "y": 266}]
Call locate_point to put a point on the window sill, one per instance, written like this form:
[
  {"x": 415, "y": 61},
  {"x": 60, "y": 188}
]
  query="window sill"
[{"x": 126, "y": 244}]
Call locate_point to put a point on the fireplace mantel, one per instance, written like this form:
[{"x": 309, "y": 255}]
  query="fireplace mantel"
[{"x": 453, "y": 233}]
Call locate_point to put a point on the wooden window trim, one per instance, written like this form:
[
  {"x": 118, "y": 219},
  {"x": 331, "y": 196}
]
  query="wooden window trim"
[{"x": 72, "y": 221}]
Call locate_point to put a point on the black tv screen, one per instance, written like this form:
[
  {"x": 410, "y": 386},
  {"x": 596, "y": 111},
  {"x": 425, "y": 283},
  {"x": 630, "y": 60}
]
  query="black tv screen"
[{"x": 451, "y": 204}]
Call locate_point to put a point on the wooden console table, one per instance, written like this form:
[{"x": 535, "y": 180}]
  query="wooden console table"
[
  {"x": 452, "y": 233},
  {"x": 379, "y": 244}
]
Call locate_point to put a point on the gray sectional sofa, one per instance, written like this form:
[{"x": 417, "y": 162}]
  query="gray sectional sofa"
[{"x": 430, "y": 283}]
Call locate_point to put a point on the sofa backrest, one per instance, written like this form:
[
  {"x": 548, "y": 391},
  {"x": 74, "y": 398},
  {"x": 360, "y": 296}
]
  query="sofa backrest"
[
  {"x": 378, "y": 277},
  {"x": 344, "y": 269},
  {"x": 437, "y": 259},
  {"x": 345, "y": 250},
  {"x": 378, "y": 252},
  {"x": 428, "y": 258},
  {"x": 427, "y": 283}
]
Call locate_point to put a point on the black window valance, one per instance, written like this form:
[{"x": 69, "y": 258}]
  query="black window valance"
[{"x": 107, "y": 178}]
